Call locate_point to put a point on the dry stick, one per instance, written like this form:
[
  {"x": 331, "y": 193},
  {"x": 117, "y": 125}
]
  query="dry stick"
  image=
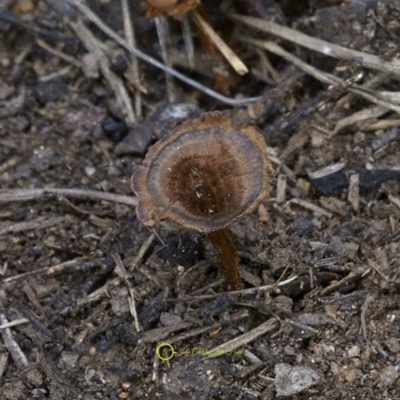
[
  {"x": 321, "y": 46},
  {"x": 378, "y": 270},
  {"x": 380, "y": 98},
  {"x": 188, "y": 39},
  {"x": 17, "y": 355},
  {"x": 244, "y": 339},
  {"x": 56, "y": 269},
  {"x": 205, "y": 329},
  {"x": 225, "y": 50},
  {"x": 123, "y": 274},
  {"x": 114, "y": 81},
  {"x": 141, "y": 252},
  {"x": 253, "y": 290},
  {"x": 353, "y": 194},
  {"x": 99, "y": 293},
  {"x": 157, "y": 334},
  {"x": 350, "y": 278},
  {"x": 3, "y": 363},
  {"x": 311, "y": 207},
  {"x": 100, "y": 24},
  {"x": 38, "y": 223},
  {"x": 133, "y": 71},
  {"x": 59, "y": 54},
  {"x": 360, "y": 116},
  {"x": 14, "y": 323},
  {"x": 364, "y": 308},
  {"x": 81, "y": 263},
  {"x": 12, "y": 195},
  {"x": 163, "y": 39},
  {"x": 394, "y": 200}
]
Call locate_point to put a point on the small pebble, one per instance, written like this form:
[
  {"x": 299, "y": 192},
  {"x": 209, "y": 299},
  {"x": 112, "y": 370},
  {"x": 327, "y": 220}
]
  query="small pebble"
[{"x": 90, "y": 170}]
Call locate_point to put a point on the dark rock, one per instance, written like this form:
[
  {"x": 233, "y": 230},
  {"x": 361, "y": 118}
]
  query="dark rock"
[
  {"x": 331, "y": 185},
  {"x": 161, "y": 122},
  {"x": 50, "y": 91},
  {"x": 114, "y": 130},
  {"x": 371, "y": 179}
]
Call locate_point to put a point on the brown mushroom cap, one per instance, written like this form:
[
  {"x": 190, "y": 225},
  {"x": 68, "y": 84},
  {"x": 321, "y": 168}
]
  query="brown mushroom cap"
[{"x": 204, "y": 175}]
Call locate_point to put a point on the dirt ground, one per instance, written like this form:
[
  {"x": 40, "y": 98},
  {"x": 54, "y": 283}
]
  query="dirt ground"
[{"x": 95, "y": 305}]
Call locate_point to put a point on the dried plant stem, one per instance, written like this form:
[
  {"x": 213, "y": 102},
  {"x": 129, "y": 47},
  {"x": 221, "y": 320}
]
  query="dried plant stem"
[
  {"x": 13, "y": 195},
  {"x": 188, "y": 39},
  {"x": 114, "y": 81},
  {"x": 133, "y": 71},
  {"x": 58, "y": 53},
  {"x": 225, "y": 50},
  {"x": 12, "y": 346},
  {"x": 163, "y": 39},
  {"x": 100, "y": 24},
  {"x": 321, "y": 46},
  {"x": 227, "y": 254},
  {"x": 384, "y": 99}
]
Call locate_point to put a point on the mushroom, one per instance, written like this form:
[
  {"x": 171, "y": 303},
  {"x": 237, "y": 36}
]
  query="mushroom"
[{"x": 205, "y": 175}]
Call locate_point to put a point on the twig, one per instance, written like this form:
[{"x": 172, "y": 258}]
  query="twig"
[
  {"x": 133, "y": 71},
  {"x": 394, "y": 200},
  {"x": 311, "y": 207},
  {"x": 301, "y": 326},
  {"x": 38, "y": 223},
  {"x": 3, "y": 363},
  {"x": 188, "y": 39},
  {"x": 225, "y": 50},
  {"x": 354, "y": 191},
  {"x": 100, "y": 24},
  {"x": 163, "y": 39},
  {"x": 14, "y": 323},
  {"x": 205, "y": 329},
  {"x": 380, "y": 98},
  {"x": 347, "y": 280},
  {"x": 78, "y": 264},
  {"x": 12, "y": 195},
  {"x": 244, "y": 339},
  {"x": 141, "y": 252},
  {"x": 326, "y": 171},
  {"x": 114, "y": 81},
  {"x": 321, "y": 46},
  {"x": 123, "y": 274},
  {"x": 17, "y": 355},
  {"x": 363, "y": 115},
  {"x": 253, "y": 290},
  {"x": 59, "y": 53},
  {"x": 364, "y": 308},
  {"x": 378, "y": 270}
]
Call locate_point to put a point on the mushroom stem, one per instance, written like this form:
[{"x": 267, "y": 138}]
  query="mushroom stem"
[{"x": 227, "y": 254}]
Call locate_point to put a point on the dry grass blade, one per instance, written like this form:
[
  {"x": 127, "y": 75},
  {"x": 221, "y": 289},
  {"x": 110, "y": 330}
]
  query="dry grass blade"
[
  {"x": 236, "y": 63},
  {"x": 379, "y": 98},
  {"x": 321, "y": 46}
]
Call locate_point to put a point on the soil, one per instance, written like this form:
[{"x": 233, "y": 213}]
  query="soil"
[{"x": 91, "y": 293}]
